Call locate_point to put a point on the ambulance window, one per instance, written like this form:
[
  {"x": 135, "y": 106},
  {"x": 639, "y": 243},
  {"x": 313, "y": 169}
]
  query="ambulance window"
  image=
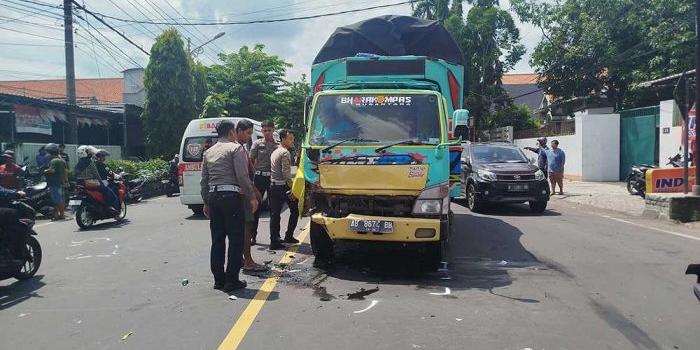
[{"x": 195, "y": 147}]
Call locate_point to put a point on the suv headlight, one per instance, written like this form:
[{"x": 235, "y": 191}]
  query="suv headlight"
[
  {"x": 433, "y": 201},
  {"x": 486, "y": 175},
  {"x": 539, "y": 175}
]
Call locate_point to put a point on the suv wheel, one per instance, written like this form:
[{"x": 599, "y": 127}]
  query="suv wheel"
[
  {"x": 538, "y": 207},
  {"x": 474, "y": 204}
]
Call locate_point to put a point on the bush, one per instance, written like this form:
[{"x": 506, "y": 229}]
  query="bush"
[{"x": 150, "y": 170}]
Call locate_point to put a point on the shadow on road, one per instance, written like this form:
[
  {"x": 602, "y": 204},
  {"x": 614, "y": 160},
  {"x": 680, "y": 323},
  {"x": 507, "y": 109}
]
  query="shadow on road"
[
  {"x": 19, "y": 291},
  {"x": 106, "y": 225},
  {"x": 517, "y": 210}
]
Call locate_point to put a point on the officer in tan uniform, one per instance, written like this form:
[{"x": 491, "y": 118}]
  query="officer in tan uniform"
[
  {"x": 280, "y": 191},
  {"x": 260, "y": 154},
  {"x": 225, "y": 189}
]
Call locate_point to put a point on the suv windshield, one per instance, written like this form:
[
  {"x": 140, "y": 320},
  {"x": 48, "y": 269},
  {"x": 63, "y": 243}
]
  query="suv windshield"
[
  {"x": 497, "y": 154},
  {"x": 376, "y": 118}
]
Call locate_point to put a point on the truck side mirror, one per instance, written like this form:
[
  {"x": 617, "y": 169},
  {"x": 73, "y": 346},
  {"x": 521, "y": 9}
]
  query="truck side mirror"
[{"x": 460, "y": 123}]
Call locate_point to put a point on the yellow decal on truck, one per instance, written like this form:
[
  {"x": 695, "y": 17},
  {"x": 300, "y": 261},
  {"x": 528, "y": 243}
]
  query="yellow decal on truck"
[{"x": 373, "y": 177}]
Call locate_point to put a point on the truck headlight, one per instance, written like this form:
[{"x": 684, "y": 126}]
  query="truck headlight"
[
  {"x": 539, "y": 175},
  {"x": 486, "y": 175},
  {"x": 433, "y": 201}
]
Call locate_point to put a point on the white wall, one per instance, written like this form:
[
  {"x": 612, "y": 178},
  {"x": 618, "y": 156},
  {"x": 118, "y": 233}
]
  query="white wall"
[
  {"x": 593, "y": 153},
  {"x": 668, "y": 143},
  {"x": 601, "y": 147}
]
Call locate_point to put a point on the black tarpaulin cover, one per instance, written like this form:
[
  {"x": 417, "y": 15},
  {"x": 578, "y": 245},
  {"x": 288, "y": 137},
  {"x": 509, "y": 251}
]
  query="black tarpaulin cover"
[{"x": 392, "y": 36}]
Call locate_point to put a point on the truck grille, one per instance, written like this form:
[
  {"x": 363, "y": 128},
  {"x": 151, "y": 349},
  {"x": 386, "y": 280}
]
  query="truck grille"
[{"x": 398, "y": 206}]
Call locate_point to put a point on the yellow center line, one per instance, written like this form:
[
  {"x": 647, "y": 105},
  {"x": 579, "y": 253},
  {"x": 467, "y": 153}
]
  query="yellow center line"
[{"x": 240, "y": 328}]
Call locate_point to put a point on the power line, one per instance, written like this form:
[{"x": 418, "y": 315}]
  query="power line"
[
  {"x": 26, "y": 44},
  {"x": 189, "y": 23},
  {"x": 110, "y": 27},
  {"x": 31, "y": 34},
  {"x": 43, "y": 12},
  {"x": 110, "y": 41}
]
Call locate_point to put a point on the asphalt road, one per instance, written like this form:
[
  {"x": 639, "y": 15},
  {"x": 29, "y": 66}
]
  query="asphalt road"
[{"x": 574, "y": 278}]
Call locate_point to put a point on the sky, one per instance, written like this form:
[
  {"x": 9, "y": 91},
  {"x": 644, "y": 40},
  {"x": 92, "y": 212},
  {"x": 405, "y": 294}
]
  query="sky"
[{"x": 32, "y": 37}]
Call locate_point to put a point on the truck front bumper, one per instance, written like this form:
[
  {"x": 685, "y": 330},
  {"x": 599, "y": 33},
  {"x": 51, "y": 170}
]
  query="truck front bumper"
[{"x": 404, "y": 229}]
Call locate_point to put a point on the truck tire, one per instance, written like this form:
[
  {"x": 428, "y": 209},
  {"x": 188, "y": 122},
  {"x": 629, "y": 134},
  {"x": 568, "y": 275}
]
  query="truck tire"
[{"x": 321, "y": 245}]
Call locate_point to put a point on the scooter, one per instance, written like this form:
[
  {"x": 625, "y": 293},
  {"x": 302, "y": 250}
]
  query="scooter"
[
  {"x": 21, "y": 268},
  {"x": 134, "y": 187},
  {"x": 170, "y": 184},
  {"x": 636, "y": 180},
  {"x": 38, "y": 195},
  {"x": 91, "y": 206}
]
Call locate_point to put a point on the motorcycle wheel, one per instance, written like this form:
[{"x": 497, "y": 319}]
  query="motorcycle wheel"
[
  {"x": 122, "y": 212},
  {"x": 83, "y": 218},
  {"x": 29, "y": 269},
  {"x": 630, "y": 186},
  {"x": 168, "y": 191}
]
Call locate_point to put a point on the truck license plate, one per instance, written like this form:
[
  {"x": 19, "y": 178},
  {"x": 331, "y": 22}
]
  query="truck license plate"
[
  {"x": 518, "y": 188},
  {"x": 379, "y": 226}
]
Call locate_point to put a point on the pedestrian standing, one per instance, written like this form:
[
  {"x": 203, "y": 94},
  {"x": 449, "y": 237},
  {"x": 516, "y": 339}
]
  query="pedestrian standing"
[
  {"x": 281, "y": 193},
  {"x": 244, "y": 130},
  {"x": 42, "y": 159},
  {"x": 9, "y": 171},
  {"x": 556, "y": 158},
  {"x": 56, "y": 179},
  {"x": 541, "y": 151},
  {"x": 260, "y": 154},
  {"x": 225, "y": 189},
  {"x": 64, "y": 155}
]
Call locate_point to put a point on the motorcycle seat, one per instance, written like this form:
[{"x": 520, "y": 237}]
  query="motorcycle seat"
[{"x": 38, "y": 187}]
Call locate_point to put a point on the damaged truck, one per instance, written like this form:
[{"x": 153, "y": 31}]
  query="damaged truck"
[{"x": 380, "y": 160}]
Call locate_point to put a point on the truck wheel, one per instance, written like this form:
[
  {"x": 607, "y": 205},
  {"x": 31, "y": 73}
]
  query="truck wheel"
[
  {"x": 538, "y": 207},
  {"x": 434, "y": 255},
  {"x": 321, "y": 245}
]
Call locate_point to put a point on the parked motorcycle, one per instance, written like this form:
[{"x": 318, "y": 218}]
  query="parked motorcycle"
[
  {"x": 38, "y": 195},
  {"x": 134, "y": 187},
  {"x": 21, "y": 268},
  {"x": 170, "y": 184},
  {"x": 636, "y": 180},
  {"x": 91, "y": 206}
]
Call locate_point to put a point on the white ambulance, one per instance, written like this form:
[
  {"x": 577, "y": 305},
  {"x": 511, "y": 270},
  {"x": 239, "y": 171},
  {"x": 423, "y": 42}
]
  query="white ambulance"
[{"x": 199, "y": 136}]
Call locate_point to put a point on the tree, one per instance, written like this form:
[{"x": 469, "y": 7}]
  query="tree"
[
  {"x": 170, "y": 95},
  {"x": 201, "y": 89},
  {"x": 291, "y": 114},
  {"x": 431, "y": 9},
  {"x": 249, "y": 81},
  {"x": 600, "y": 48}
]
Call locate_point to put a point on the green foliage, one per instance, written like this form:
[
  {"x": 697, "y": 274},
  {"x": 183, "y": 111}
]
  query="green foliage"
[
  {"x": 170, "y": 94},
  {"x": 150, "y": 170},
  {"x": 520, "y": 117},
  {"x": 248, "y": 82},
  {"x": 201, "y": 89},
  {"x": 291, "y": 114},
  {"x": 214, "y": 106},
  {"x": 603, "y": 47}
]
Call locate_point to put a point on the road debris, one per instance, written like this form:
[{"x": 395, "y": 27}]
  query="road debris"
[
  {"x": 362, "y": 293},
  {"x": 371, "y": 305},
  {"x": 446, "y": 292},
  {"x": 232, "y": 297},
  {"x": 503, "y": 263},
  {"x": 127, "y": 335},
  {"x": 22, "y": 315},
  {"x": 185, "y": 282}
]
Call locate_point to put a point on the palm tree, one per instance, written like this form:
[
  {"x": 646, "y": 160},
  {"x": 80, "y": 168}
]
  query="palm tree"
[{"x": 431, "y": 9}]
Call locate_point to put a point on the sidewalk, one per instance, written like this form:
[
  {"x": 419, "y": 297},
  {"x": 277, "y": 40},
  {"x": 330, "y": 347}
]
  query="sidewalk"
[{"x": 605, "y": 195}]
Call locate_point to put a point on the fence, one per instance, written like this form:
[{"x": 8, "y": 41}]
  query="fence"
[{"x": 551, "y": 129}]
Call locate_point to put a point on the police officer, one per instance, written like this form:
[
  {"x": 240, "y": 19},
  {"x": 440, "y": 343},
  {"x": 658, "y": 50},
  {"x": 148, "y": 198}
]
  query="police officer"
[
  {"x": 280, "y": 191},
  {"x": 225, "y": 189},
  {"x": 260, "y": 154}
]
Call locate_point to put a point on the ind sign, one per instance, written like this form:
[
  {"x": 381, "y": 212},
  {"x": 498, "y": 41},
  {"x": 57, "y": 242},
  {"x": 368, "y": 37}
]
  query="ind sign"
[{"x": 667, "y": 180}]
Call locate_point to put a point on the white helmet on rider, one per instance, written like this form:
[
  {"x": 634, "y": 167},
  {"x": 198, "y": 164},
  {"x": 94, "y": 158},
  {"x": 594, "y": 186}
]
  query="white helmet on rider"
[
  {"x": 85, "y": 151},
  {"x": 103, "y": 153}
]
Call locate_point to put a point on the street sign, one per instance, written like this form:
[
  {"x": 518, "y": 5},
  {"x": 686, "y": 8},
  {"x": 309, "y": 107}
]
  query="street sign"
[{"x": 684, "y": 95}]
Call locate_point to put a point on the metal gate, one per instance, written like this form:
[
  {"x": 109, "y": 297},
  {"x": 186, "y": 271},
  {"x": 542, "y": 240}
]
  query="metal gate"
[{"x": 639, "y": 138}]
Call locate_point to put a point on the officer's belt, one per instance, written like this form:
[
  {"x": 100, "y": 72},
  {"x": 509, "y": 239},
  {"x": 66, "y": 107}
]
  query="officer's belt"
[
  {"x": 224, "y": 188},
  {"x": 279, "y": 183},
  {"x": 262, "y": 173}
]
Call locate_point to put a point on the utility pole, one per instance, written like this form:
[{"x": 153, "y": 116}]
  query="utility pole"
[
  {"x": 696, "y": 187},
  {"x": 70, "y": 71}
]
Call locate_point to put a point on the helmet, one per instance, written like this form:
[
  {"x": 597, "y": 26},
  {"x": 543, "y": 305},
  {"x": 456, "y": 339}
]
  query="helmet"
[
  {"x": 52, "y": 149},
  {"x": 84, "y": 151},
  {"x": 102, "y": 152},
  {"x": 542, "y": 140}
]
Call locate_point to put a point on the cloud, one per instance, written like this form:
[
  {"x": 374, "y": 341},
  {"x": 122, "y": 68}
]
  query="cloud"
[{"x": 297, "y": 42}]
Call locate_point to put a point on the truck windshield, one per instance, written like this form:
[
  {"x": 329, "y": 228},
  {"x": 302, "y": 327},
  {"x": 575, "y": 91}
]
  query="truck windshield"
[{"x": 382, "y": 118}]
